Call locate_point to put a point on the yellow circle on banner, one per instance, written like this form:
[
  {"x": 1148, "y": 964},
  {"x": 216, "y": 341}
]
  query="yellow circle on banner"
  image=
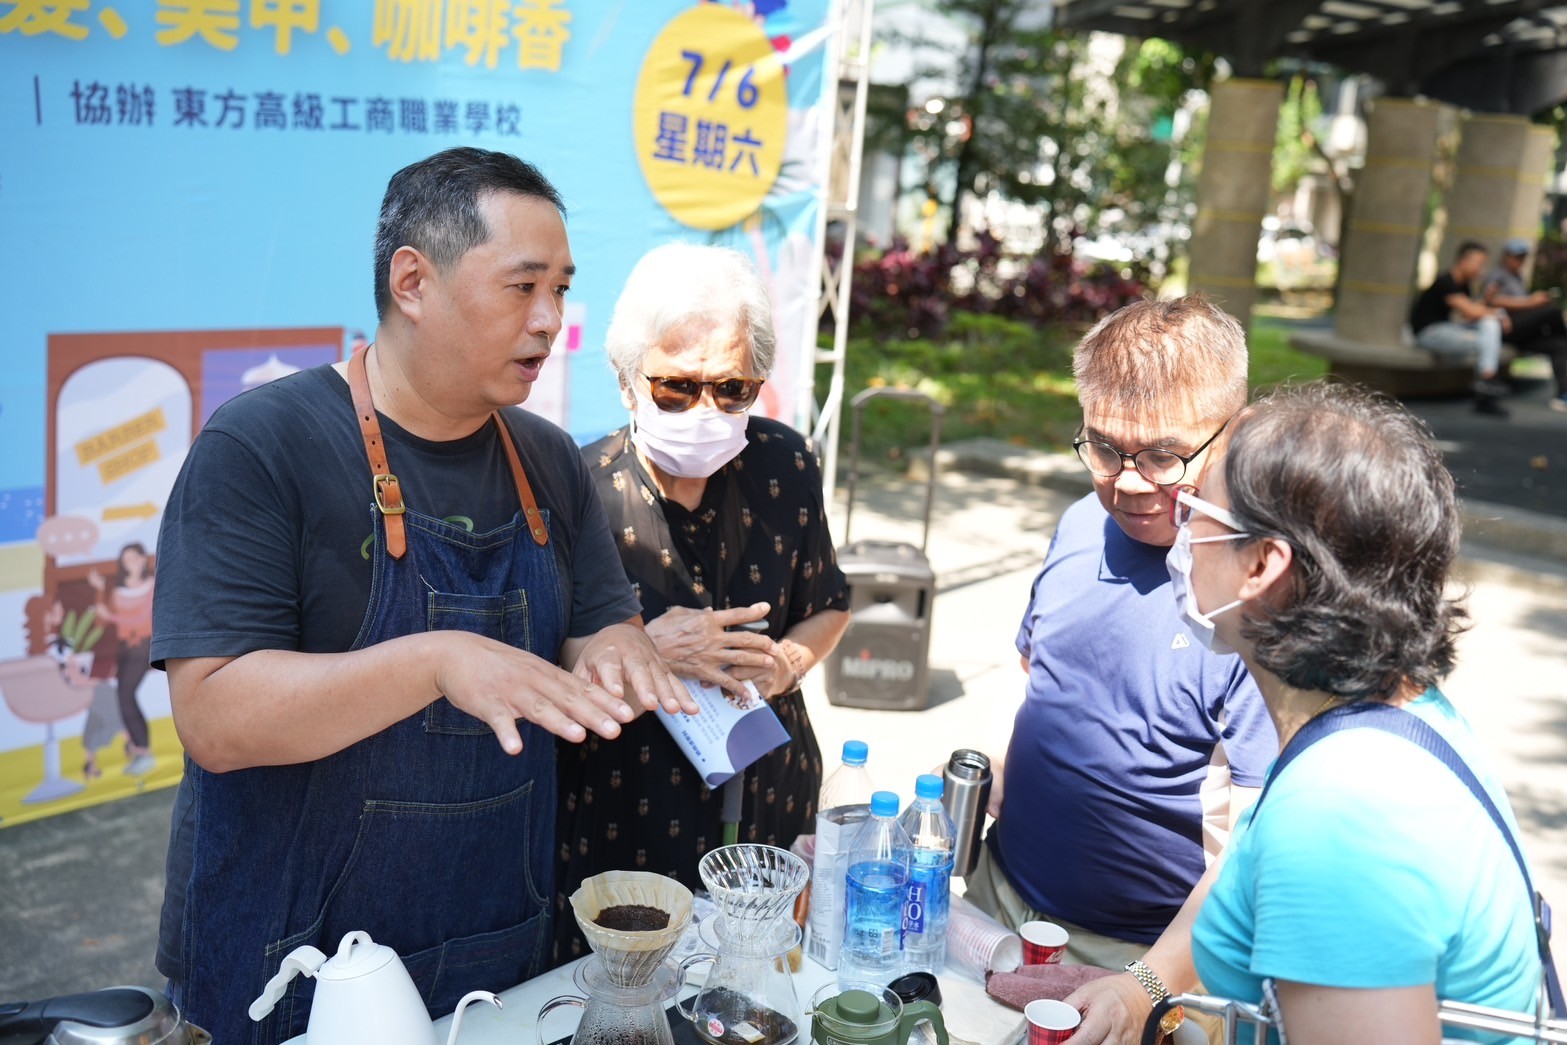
[{"x": 710, "y": 117}]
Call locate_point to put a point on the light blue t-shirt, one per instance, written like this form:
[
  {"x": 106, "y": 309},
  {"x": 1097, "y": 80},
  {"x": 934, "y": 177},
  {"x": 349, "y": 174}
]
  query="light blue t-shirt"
[{"x": 1371, "y": 865}]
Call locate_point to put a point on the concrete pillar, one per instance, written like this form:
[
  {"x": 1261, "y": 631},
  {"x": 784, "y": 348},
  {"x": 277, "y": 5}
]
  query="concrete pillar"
[
  {"x": 1504, "y": 168},
  {"x": 1381, "y": 245},
  {"x": 1233, "y": 191}
]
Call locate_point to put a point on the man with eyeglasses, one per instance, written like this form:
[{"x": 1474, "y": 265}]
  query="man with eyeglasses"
[
  {"x": 1135, "y": 748},
  {"x": 382, "y": 587}
]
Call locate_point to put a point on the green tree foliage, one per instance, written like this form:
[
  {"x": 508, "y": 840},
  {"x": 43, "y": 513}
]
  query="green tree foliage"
[
  {"x": 1057, "y": 120},
  {"x": 1295, "y": 153}
]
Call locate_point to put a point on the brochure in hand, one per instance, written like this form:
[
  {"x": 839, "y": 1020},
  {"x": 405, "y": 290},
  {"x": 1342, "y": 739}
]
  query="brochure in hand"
[{"x": 729, "y": 734}]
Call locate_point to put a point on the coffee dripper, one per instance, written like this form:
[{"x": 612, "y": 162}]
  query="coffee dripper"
[
  {"x": 627, "y": 980},
  {"x": 749, "y": 997}
]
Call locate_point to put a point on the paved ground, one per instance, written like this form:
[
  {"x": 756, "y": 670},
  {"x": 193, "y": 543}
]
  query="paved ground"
[
  {"x": 1519, "y": 462},
  {"x": 79, "y": 893}
]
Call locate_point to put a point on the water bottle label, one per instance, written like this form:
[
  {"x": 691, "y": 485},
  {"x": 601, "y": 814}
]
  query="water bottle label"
[{"x": 914, "y": 906}]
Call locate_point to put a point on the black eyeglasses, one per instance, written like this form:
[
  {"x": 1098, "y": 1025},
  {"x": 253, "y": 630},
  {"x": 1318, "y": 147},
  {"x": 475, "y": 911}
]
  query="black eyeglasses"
[
  {"x": 733, "y": 395},
  {"x": 1160, "y": 467}
]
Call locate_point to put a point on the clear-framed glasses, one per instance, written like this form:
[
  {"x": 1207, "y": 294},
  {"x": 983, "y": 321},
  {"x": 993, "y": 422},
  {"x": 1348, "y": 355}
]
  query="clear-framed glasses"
[
  {"x": 1160, "y": 467},
  {"x": 1186, "y": 501},
  {"x": 732, "y": 395}
]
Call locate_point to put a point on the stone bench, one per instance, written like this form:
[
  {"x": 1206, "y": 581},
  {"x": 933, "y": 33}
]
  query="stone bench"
[{"x": 1398, "y": 369}]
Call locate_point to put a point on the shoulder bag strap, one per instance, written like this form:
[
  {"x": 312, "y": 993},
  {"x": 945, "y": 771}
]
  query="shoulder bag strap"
[{"x": 1402, "y": 723}]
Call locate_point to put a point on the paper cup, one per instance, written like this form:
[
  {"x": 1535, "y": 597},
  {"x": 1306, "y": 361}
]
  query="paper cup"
[
  {"x": 1050, "y": 1022},
  {"x": 1043, "y": 943},
  {"x": 977, "y": 944}
]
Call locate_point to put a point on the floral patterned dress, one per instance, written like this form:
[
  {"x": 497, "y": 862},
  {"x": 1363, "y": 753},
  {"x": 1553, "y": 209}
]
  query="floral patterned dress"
[{"x": 758, "y": 535}]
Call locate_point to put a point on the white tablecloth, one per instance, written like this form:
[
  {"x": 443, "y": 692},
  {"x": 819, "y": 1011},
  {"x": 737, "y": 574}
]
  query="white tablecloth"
[
  {"x": 514, "y": 1025},
  {"x": 973, "y": 1016}
]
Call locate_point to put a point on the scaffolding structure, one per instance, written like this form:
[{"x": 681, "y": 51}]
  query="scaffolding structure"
[{"x": 850, "y": 57}]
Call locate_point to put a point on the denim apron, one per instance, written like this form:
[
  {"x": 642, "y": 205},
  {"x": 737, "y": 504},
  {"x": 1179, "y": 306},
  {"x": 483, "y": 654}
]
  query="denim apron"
[{"x": 427, "y": 835}]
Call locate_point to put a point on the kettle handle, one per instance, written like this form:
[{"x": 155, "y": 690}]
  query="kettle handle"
[
  {"x": 467, "y": 999},
  {"x": 921, "y": 1012},
  {"x": 553, "y": 1004},
  {"x": 305, "y": 960}
]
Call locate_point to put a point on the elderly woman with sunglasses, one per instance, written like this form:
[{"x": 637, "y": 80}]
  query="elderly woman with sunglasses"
[
  {"x": 1368, "y": 881},
  {"x": 721, "y": 526}
]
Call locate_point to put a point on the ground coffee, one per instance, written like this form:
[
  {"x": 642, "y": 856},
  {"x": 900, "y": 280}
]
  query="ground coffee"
[{"x": 633, "y": 918}]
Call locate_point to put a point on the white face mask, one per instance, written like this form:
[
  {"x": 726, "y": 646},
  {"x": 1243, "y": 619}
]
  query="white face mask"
[
  {"x": 692, "y": 444},
  {"x": 1179, "y": 563}
]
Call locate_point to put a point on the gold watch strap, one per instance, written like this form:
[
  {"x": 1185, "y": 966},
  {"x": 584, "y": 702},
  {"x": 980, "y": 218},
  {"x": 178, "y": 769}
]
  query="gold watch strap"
[
  {"x": 1149, "y": 979},
  {"x": 1157, "y": 992}
]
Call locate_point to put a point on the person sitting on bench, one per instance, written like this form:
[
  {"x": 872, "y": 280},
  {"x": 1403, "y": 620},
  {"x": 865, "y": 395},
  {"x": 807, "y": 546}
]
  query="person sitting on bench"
[
  {"x": 1538, "y": 324},
  {"x": 1449, "y": 323}
]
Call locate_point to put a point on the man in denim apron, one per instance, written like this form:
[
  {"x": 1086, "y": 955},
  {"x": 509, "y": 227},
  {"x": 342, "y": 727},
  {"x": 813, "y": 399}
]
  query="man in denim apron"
[{"x": 381, "y": 588}]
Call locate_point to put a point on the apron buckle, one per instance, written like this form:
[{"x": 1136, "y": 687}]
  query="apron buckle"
[{"x": 389, "y": 495}]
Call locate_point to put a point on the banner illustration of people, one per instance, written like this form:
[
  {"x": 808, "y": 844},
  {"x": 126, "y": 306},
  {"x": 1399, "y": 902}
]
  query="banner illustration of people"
[{"x": 197, "y": 184}]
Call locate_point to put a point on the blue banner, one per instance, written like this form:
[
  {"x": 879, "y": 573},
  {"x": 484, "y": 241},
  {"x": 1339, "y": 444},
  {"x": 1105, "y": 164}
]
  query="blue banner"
[{"x": 188, "y": 195}]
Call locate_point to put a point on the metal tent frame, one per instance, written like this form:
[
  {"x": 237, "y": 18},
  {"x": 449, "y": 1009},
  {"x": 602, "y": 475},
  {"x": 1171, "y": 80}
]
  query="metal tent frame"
[{"x": 850, "y": 56}]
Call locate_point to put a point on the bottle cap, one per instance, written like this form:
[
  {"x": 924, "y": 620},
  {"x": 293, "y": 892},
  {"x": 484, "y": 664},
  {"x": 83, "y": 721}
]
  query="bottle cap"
[
  {"x": 917, "y": 987},
  {"x": 855, "y": 752},
  {"x": 928, "y": 785},
  {"x": 884, "y": 803}
]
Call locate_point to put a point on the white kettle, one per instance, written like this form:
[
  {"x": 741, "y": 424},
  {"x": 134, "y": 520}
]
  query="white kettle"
[{"x": 363, "y": 994}]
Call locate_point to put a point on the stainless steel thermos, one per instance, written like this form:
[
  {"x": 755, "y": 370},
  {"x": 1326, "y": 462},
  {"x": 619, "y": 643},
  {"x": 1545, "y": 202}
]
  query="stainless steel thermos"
[{"x": 966, "y": 795}]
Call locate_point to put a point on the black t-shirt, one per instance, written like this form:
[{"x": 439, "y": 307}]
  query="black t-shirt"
[
  {"x": 1431, "y": 306},
  {"x": 265, "y": 538}
]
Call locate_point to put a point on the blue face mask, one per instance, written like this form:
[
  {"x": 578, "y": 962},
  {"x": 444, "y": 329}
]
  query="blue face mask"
[{"x": 1179, "y": 563}]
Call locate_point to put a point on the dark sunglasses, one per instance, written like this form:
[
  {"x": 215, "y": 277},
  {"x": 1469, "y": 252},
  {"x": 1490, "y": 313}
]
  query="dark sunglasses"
[{"x": 733, "y": 395}]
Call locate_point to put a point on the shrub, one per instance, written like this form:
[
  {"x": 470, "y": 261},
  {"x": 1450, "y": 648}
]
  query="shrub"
[
  {"x": 997, "y": 377},
  {"x": 901, "y": 293}
]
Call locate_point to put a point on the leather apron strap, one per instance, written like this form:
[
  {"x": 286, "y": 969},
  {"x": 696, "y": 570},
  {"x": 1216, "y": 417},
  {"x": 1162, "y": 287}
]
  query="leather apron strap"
[
  {"x": 530, "y": 508},
  {"x": 389, "y": 493}
]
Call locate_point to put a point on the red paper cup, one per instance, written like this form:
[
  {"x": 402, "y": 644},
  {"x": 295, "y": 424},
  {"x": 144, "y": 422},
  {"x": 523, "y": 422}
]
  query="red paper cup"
[
  {"x": 1043, "y": 943},
  {"x": 1050, "y": 1022}
]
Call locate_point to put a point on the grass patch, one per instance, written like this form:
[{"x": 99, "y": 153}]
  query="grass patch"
[
  {"x": 997, "y": 378},
  {"x": 1274, "y": 362},
  {"x": 1003, "y": 379}
]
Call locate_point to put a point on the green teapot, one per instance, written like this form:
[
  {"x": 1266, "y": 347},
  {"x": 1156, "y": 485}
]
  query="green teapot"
[{"x": 866, "y": 1014}]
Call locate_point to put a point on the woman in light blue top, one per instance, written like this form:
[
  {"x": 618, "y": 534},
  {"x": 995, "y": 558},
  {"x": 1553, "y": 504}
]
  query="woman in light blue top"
[{"x": 1370, "y": 883}]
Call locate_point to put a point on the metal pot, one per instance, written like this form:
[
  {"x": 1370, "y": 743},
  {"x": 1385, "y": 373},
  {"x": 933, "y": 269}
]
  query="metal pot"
[{"x": 114, "y": 1016}]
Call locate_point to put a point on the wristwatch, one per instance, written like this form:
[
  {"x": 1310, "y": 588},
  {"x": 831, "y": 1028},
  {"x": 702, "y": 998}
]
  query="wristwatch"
[{"x": 1157, "y": 992}]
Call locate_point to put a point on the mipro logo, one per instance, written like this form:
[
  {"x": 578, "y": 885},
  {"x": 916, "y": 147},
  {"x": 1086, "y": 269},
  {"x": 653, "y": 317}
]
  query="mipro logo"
[
  {"x": 1180, "y": 641},
  {"x": 865, "y": 666}
]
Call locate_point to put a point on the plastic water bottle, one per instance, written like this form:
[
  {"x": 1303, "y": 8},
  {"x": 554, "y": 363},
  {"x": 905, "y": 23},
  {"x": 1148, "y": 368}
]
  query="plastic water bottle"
[
  {"x": 877, "y": 882},
  {"x": 844, "y": 804},
  {"x": 931, "y": 836}
]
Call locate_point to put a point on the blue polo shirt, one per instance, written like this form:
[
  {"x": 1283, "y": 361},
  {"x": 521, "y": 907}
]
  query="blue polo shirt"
[{"x": 1102, "y": 822}]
